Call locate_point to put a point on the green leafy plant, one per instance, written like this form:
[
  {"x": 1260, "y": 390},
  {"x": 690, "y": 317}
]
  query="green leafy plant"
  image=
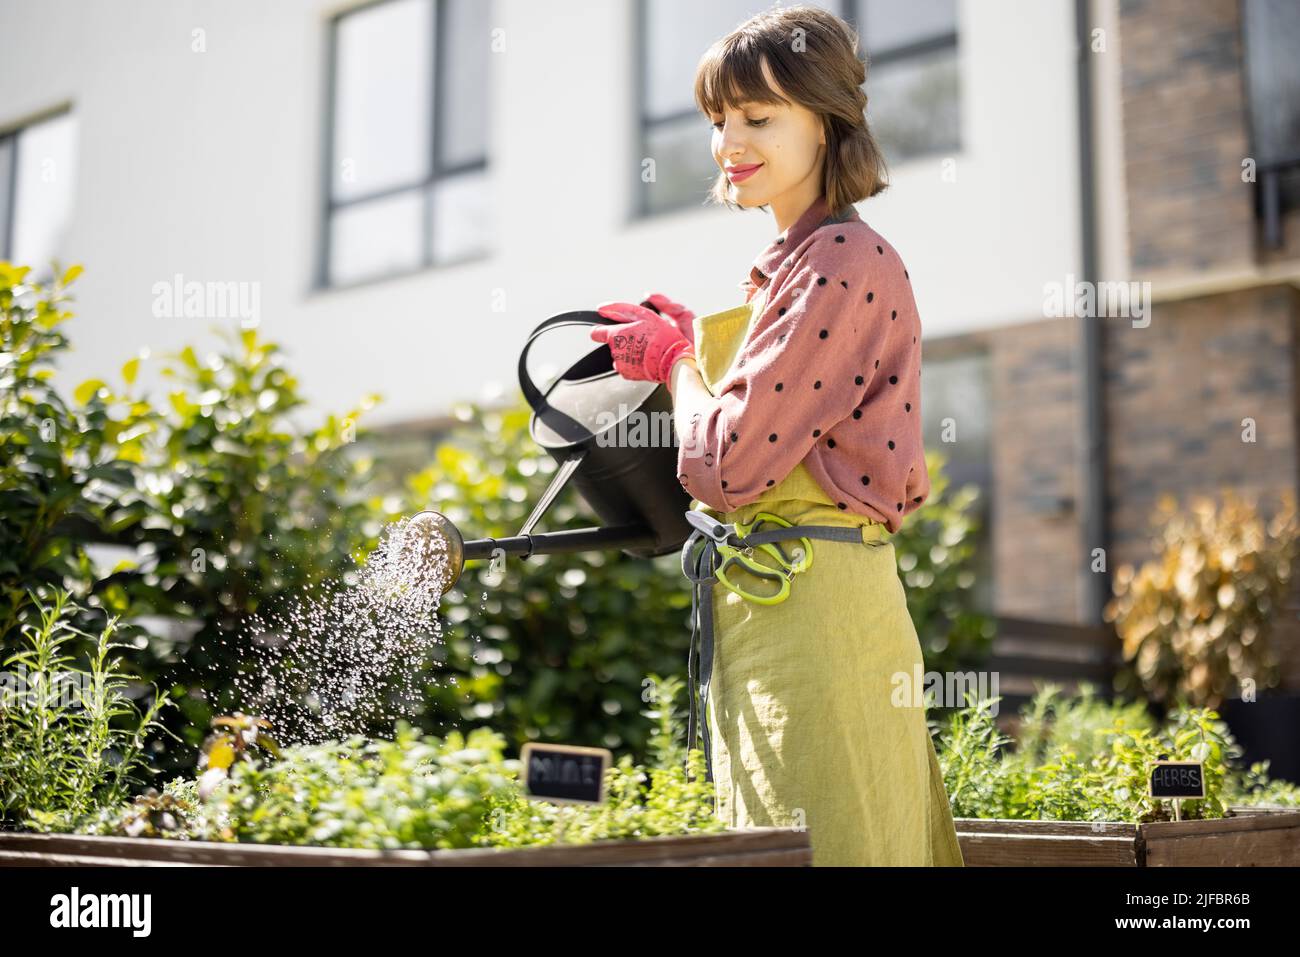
[
  {"x": 1087, "y": 760},
  {"x": 71, "y": 740},
  {"x": 936, "y": 552},
  {"x": 411, "y": 792},
  {"x": 425, "y": 792},
  {"x": 1196, "y": 620},
  {"x": 224, "y": 503},
  {"x": 1052, "y": 721},
  {"x": 66, "y": 467},
  {"x": 248, "y": 509},
  {"x": 1254, "y": 787},
  {"x": 669, "y": 797}
]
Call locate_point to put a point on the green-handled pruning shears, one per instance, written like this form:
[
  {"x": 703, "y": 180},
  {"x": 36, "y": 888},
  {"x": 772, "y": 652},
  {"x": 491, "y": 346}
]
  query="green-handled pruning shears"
[{"x": 799, "y": 560}]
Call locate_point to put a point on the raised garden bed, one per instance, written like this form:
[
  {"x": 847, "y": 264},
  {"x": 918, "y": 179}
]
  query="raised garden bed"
[
  {"x": 1253, "y": 837},
  {"x": 754, "y": 847}
]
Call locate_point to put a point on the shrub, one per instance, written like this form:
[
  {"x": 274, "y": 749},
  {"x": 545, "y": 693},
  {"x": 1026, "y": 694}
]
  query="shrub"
[
  {"x": 936, "y": 551},
  {"x": 1196, "y": 620},
  {"x": 247, "y": 510},
  {"x": 66, "y": 468},
  {"x": 226, "y": 505}
]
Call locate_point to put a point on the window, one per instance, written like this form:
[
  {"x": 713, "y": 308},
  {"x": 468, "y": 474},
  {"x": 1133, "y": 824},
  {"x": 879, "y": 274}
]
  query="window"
[
  {"x": 407, "y": 179},
  {"x": 912, "y": 89},
  {"x": 955, "y": 393},
  {"x": 1272, "y": 35},
  {"x": 38, "y": 168},
  {"x": 912, "y": 85}
]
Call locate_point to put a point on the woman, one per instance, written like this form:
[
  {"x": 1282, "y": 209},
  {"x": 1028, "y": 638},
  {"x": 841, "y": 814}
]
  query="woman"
[{"x": 803, "y": 404}]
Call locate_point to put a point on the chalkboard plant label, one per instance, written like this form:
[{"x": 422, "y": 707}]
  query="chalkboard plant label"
[
  {"x": 565, "y": 773},
  {"x": 1172, "y": 780}
]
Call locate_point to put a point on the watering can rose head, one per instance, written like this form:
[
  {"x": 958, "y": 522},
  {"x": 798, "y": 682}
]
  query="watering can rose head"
[{"x": 430, "y": 549}]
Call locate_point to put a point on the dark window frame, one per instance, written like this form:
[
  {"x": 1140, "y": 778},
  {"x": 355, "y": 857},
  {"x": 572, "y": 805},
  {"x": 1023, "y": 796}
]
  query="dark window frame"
[
  {"x": 1271, "y": 206},
  {"x": 10, "y": 189},
  {"x": 847, "y": 10},
  {"x": 439, "y": 170}
]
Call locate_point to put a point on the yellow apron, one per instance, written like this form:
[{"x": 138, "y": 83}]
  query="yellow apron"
[{"x": 805, "y": 722}]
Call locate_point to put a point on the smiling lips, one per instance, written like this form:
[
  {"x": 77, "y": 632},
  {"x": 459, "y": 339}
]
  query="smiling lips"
[{"x": 740, "y": 173}]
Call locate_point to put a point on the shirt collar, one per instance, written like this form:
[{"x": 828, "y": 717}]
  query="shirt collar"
[{"x": 770, "y": 259}]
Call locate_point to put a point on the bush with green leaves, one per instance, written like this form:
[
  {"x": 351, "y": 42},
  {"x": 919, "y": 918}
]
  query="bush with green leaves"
[
  {"x": 1088, "y": 759},
  {"x": 71, "y": 741},
  {"x": 936, "y": 552},
  {"x": 67, "y": 468},
  {"x": 247, "y": 509},
  {"x": 412, "y": 791},
  {"x": 227, "y": 504}
]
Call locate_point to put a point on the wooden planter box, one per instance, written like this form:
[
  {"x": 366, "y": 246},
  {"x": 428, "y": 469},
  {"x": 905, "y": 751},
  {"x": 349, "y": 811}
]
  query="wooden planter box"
[
  {"x": 754, "y": 847},
  {"x": 1255, "y": 837}
]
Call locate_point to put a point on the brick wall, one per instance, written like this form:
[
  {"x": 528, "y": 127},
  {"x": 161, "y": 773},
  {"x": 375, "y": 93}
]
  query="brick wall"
[
  {"x": 1035, "y": 394},
  {"x": 1186, "y": 126},
  {"x": 1176, "y": 393}
]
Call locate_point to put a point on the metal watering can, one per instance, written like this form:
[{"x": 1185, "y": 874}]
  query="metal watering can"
[{"x": 577, "y": 420}]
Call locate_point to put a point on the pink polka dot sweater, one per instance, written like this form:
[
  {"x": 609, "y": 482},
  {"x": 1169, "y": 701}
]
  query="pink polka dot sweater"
[{"x": 828, "y": 375}]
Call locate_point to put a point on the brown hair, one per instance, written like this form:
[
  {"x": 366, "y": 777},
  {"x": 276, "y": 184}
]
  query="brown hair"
[{"x": 813, "y": 55}]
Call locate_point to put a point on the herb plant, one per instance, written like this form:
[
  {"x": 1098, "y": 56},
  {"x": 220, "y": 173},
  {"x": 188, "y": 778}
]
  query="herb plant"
[{"x": 70, "y": 740}]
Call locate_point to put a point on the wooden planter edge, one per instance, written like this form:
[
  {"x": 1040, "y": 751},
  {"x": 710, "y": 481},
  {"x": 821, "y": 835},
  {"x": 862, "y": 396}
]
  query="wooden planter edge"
[
  {"x": 1258, "y": 835},
  {"x": 741, "y": 847}
]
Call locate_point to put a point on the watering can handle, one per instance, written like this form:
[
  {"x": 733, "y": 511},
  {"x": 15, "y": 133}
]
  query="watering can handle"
[{"x": 579, "y": 318}]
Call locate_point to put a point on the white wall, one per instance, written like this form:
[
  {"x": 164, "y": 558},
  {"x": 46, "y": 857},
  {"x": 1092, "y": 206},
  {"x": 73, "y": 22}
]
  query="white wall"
[{"x": 208, "y": 164}]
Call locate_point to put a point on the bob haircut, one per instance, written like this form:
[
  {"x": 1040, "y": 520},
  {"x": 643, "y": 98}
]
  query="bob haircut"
[{"x": 813, "y": 56}]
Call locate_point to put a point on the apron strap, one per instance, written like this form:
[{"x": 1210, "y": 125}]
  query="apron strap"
[{"x": 701, "y": 568}]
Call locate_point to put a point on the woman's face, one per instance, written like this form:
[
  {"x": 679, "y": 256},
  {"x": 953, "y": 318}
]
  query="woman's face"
[{"x": 785, "y": 142}]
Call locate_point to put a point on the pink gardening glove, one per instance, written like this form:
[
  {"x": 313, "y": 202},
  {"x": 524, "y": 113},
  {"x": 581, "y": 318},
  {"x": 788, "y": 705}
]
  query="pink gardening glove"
[
  {"x": 674, "y": 311},
  {"x": 646, "y": 345}
]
